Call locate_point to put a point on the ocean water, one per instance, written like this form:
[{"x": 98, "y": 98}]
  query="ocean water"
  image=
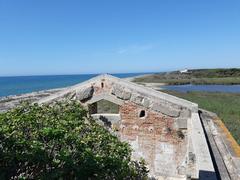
[{"x": 26, "y": 84}]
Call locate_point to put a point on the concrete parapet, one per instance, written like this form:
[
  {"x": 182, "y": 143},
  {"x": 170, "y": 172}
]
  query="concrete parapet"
[
  {"x": 225, "y": 150},
  {"x": 204, "y": 165}
]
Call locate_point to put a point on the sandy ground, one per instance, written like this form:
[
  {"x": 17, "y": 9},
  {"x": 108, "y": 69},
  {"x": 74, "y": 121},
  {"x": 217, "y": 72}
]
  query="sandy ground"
[
  {"x": 156, "y": 86},
  {"x": 132, "y": 78}
]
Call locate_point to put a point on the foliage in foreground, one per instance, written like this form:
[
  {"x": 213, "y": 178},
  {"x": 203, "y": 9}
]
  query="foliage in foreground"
[{"x": 60, "y": 142}]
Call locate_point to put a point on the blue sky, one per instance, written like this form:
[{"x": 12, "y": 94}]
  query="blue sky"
[{"x": 117, "y": 36}]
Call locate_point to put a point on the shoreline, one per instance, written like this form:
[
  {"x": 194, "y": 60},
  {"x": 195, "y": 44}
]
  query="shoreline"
[
  {"x": 139, "y": 76},
  {"x": 9, "y": 102}
]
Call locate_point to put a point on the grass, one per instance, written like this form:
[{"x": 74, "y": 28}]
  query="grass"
[{"x": 225, "y": 105}]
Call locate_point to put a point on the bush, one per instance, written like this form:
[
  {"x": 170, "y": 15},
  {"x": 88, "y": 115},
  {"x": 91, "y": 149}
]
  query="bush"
[{"x": 60, "y": 142}]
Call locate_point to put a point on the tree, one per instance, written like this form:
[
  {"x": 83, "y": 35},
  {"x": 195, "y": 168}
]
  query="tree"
[{"x": 60, "y": 141}]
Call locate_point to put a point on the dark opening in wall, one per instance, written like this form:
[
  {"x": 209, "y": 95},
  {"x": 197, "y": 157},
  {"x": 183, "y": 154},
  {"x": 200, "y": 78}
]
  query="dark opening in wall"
[
  {"x": 103, "y": 107},
  {"x": 142, "y": 114},
  {"x": 102, "y": 85}
]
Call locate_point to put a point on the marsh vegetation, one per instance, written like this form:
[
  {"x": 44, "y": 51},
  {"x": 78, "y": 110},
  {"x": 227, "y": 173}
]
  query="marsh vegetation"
[{"x": 225, "y": 105}]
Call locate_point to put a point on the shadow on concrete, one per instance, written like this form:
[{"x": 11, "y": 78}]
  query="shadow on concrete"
[
  {"x": 207, "y": 175},
  {"x": 217, "y": 173}
]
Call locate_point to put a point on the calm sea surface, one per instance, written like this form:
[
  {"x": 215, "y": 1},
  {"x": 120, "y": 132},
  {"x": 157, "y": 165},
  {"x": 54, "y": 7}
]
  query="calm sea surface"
[
  {"x": 206, "y": 88},
  {"x": 25, "y": 84}
]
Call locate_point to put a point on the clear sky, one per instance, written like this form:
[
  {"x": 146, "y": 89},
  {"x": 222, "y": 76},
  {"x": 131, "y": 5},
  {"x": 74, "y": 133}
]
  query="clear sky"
[{"x": 97, "y": 36}]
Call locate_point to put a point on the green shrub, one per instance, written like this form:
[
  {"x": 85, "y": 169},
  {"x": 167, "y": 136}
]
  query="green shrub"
[{"x": 60, "y": 142}]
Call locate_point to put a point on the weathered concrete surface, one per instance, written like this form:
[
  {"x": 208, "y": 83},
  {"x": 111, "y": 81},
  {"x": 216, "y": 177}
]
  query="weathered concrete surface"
[
  {"x": 204, "y": 165},
  {"x": 163, "y": 129},
  {"x": 167, "y": 110},
  {"x": 85, "y": 94},
  {"x": 121, "y": 93},
  {"x": 9, "y": 102},
  {"x": 107, "y": 97},
  {"x": 110, "y": 121},
  {"x": 225, "y": 150}
]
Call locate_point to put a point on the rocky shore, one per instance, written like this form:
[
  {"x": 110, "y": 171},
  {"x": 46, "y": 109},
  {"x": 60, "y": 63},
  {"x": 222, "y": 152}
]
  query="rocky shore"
[{"x": 9, "y": 102}]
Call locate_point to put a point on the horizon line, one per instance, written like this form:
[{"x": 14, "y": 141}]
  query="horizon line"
[{"x": 73, "y": 74}]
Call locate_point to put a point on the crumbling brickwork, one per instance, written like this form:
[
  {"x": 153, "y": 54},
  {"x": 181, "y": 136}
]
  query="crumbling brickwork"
[
  {"x": 153, "y": 137},
  {"x": 150, "y": 127}
]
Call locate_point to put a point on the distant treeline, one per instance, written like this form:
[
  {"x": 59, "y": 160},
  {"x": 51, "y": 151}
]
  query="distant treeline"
[
  {"x": 194, "y": 76},
  {"x": 211, "y": 73}
]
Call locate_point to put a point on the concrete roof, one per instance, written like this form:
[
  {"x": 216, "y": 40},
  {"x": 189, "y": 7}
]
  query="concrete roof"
[{"x": 133, "y": 86}]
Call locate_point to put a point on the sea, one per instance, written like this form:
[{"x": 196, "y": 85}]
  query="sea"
[{"x": 25, "y": 84}]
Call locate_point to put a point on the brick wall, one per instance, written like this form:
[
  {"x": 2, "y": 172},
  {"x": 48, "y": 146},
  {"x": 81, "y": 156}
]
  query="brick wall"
[{"x": 154, "y": 138}]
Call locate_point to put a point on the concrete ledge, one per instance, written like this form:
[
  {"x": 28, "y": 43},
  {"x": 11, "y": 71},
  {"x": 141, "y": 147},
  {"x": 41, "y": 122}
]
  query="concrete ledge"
[
  {"x": 107, "y": 97},
  {"x": 113, "y": 118},
  {"x": 204, "y": 165},
  {"x": 155, "y": 94},
  {"x": 224, "y": 148}
]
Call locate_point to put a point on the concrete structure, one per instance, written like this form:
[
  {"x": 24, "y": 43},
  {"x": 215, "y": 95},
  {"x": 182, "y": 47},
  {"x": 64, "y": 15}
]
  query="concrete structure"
[
  {"x": 164, "y": 130},
  {"x": 223, "y": 147},
  {"x": 184, "y": 71}
]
